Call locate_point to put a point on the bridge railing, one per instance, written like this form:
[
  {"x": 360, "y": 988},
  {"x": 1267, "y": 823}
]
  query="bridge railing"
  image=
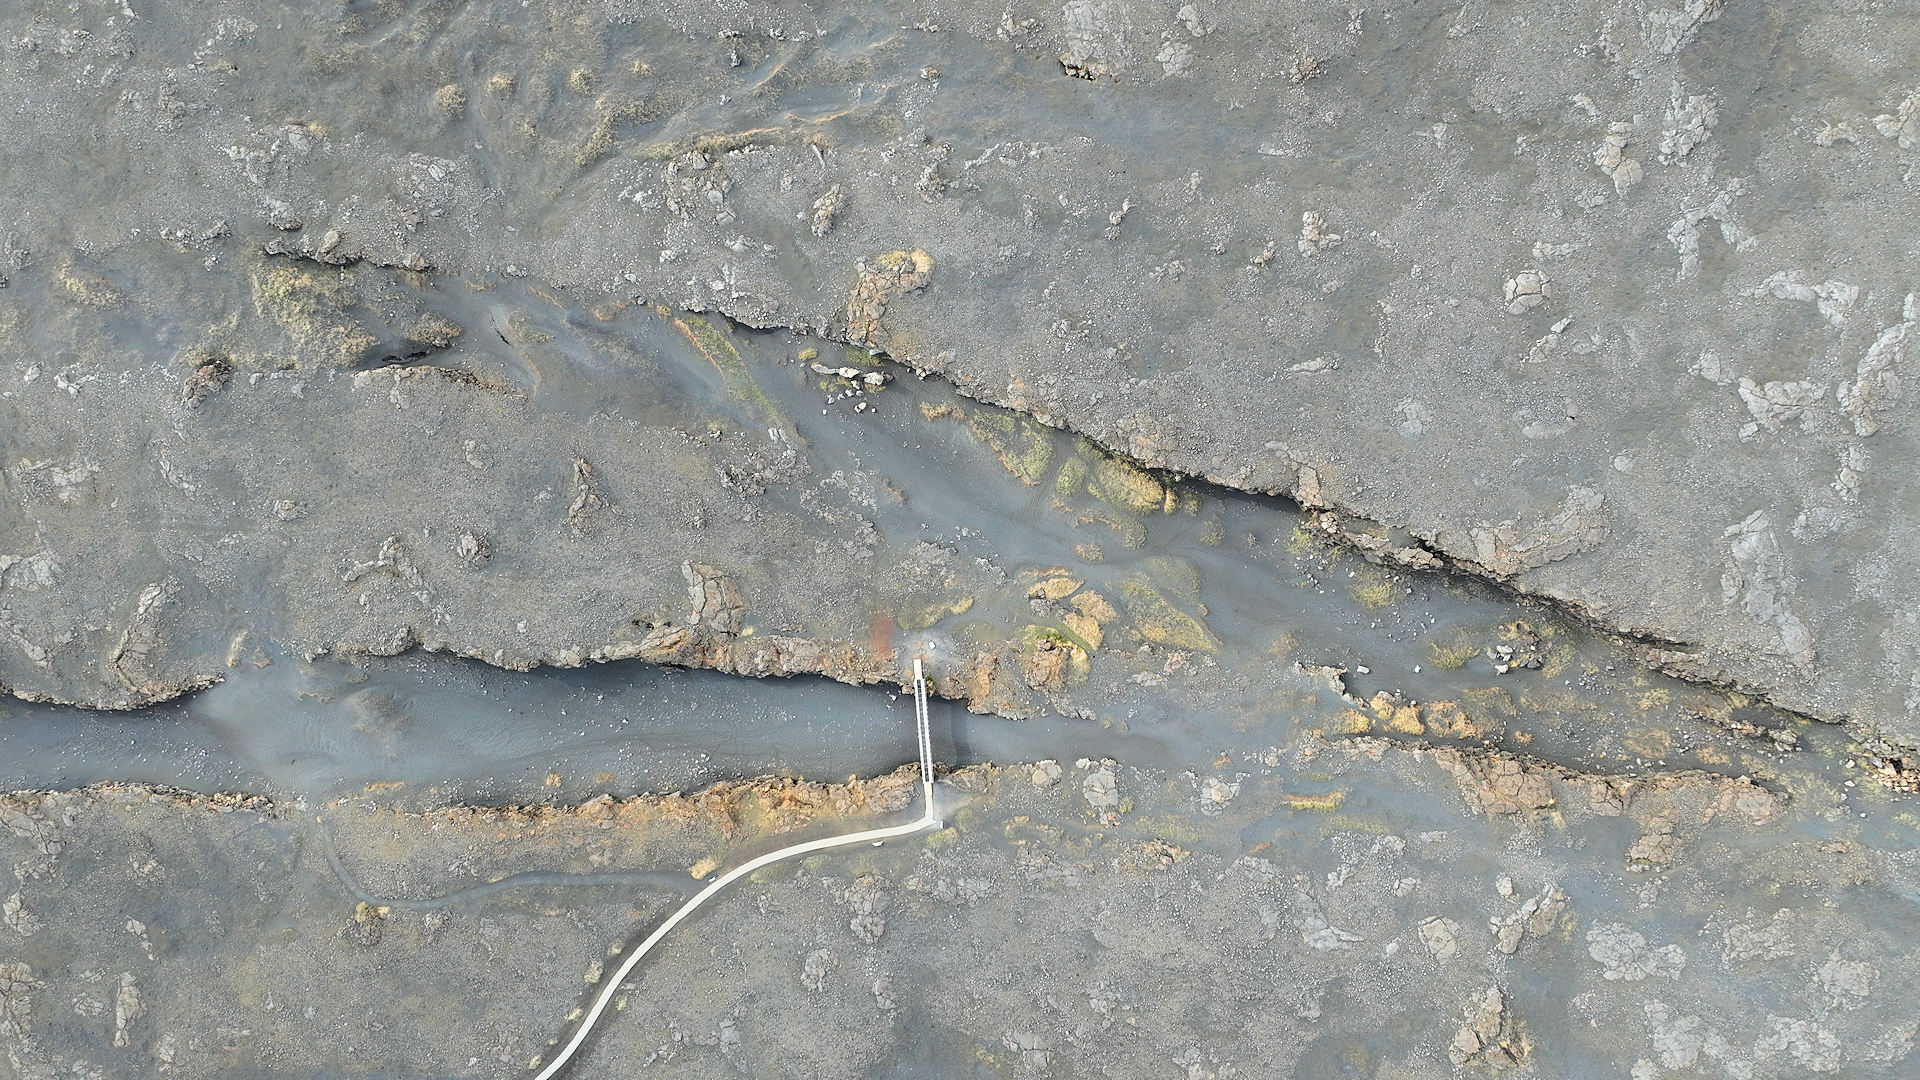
[{"x": 924, "y": 729}]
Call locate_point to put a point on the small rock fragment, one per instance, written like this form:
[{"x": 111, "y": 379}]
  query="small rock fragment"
[
  {"x": 1846, "y": 983},
  {"x": 450, "y": 101},
  {"x": 1774, "y": 404},
  {"x": 1627, "y": 957},
  {"x": 1613, "y": 160},
  {"x": 1526, "y": 290},
  {"x": 717, "y": 601},
  {"x": 133, "y": 658},
  {"x": 1441, "y": 937},
  {"x": 1689, "y": 123},
  {"x": 1215, "y": 794},
  {"x": 212, "y": 370},
  {"x": 16, "y": 1008},
  {"x": 1811, "y": 1046},
  {"x": 127, "y": 1007},
  {"x": 1656, "y": 847},
  {"x": 1578, "y": 525},
  {"x": 1489, "y": 1034},
  {"x": 1833, "y": 299},
  {"x": 1321, "y": 935},
  {"x": 587, "y": 502},
  {"x": 1095, "y": 33},
  {"x": 1306, "y": 69},
  {"x": 1903, "y": 124},
  {"x": 1496, "y": 783},
  {"x": 14, "y": 913},
  {"x": 1100, "y": 789},
  {"x": 473, "y": 549},
  {"x": 1756, "y": 579},
  {"x": 1045, "y": 774},
  {"x": 825, "y": 207},
  {"x": 1315, "y": 237},
  {"x": 818, "y": 968},
  {"x": 1876, "y": 383},
  {"x": 1533, "y": 918},
  {"x": 1671, "y": 29},
  {"x": 1034, "y": 1052}
]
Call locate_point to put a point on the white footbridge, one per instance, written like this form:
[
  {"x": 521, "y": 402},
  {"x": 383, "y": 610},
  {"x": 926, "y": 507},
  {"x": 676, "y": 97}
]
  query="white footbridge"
[{"x": 926, "y": 821}]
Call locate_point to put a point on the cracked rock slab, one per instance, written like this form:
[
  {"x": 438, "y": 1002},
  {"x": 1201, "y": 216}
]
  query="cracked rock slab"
[{"x": 645, "y": 153}]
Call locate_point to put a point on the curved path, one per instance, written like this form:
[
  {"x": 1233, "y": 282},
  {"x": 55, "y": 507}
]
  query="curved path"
[{"x": 926, "y": 821}]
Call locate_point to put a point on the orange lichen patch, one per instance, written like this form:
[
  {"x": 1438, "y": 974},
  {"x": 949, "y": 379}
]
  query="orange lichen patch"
[
  {"x": 1396, "y": 715},
  {"x": 1052, "y": 661},
  {"x": 1094, "y": 606},
  {"x": 1053, "y": 587},
  {"x": 608, "y": 310},
  {"x": 1085, "y": 628},
  {"x": 1446, "y": 719},
  {"x": 1373, "y": 587},
  {"x": 1491, "y": 701},
  {"x": 1661, "y": 697},
  {"x": 87, "y": 286},
  {"x": 713, "y": 343},
  {"x": 311, "y": 305},
  {"x": 1650, "y": 742},
  {"x": 1713, "y": 755},
  {"x": 1122, "y": 484},
  {"x": 923, "y": 615},
  {"x": 769, "y": 804},
  {"x": 1158, "y": 620},
  {"x": 1153, "y": 854},
  {"x": 1328, "y": 803},
  {"x": 979, "y": 678},
  {"x": 1024, "y": 447},
  {"x": 1391, "y": 713},
  {"x": 719, "y": 826},
  {"x": 1132, "y": 531},
  {"x": 1405, "y": 720}
]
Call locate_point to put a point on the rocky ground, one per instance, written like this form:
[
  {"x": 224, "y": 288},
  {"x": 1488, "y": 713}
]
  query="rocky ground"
[
  {"x": 563, "y": 488},
  {"x": 1448, "y": 459},
  {"x": 1608, "y": 301},
  {"x": 1334, "y": 909},
  {"x": 1294, "y": 880}
]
